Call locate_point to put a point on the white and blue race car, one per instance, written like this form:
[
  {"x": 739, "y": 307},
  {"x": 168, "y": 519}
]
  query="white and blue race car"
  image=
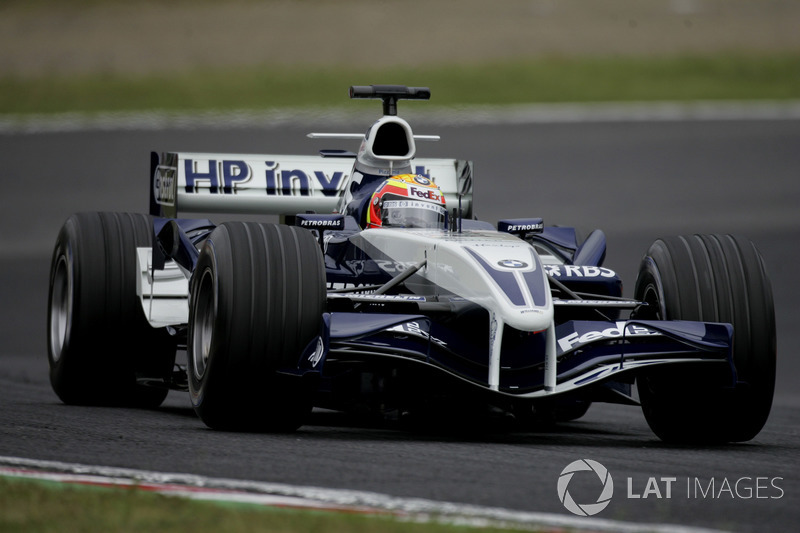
[{"x": 379, "y": 291}]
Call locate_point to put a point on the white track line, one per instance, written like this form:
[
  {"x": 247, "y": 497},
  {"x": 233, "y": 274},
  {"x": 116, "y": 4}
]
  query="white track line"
[
  {"x": 467, "y": 115},
  {"x": 284, "y": 495}
]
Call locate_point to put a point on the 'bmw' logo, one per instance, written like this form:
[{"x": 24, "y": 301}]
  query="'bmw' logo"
[{"x": 512, "y": 263}]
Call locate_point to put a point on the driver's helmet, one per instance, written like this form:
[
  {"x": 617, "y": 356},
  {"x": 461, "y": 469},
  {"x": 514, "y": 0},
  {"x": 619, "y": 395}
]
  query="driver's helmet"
[{"x": 407, "y": 201}]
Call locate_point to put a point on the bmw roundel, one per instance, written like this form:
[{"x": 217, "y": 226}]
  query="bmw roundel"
[
  {"x": 422, "y": 180},
  {"x": 512, "y": 263}
]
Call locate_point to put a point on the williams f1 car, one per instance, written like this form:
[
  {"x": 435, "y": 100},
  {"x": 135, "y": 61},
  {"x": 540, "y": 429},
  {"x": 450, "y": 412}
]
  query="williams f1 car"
[{"x": 379, "y": 291}]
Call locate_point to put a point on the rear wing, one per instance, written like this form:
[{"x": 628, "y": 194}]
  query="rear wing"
[{"x": 182, "y": 182}]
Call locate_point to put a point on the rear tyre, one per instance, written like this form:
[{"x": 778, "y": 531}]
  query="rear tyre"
[
  {"x": 256, "y": 303},
  {"x": 99, "y": 341},
  {"x": 710, "y": 278}
]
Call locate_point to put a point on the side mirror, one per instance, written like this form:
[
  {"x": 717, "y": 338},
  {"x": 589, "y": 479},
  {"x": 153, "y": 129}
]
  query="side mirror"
[{"x": 520, "y": 226}]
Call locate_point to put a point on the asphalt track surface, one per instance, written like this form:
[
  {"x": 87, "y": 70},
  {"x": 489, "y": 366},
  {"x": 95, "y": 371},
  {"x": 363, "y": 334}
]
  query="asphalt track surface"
[{"x": 636, "y": 180}]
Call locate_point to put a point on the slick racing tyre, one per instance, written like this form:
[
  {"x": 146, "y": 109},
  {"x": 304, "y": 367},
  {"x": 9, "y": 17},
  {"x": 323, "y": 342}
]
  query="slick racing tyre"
[
  {"x": 256, "y": 303},
  {"x": 98, "y": 339},
  {"x": 709, "y": 278}
]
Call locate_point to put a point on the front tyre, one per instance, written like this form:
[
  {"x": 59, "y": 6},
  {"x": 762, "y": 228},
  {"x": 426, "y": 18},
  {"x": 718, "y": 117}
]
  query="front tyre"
[
  {"x": 99, "y": 341},
  {"x": 256, "y": 303},
  {"x": 709, "y": 278}
]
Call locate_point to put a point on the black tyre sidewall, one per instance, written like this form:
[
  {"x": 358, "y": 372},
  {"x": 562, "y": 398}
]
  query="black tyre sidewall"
[
  {"x": 710, "y": 278},
  {"x": 268, "y": 295},
  {"x": 108, "y": 342}
]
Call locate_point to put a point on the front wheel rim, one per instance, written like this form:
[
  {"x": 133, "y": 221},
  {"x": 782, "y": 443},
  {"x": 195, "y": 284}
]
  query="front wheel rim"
[
  {"x": 203, "y": 324},
  {"x": 653, "y": 296},
  {"x": 60, "y": 308}
]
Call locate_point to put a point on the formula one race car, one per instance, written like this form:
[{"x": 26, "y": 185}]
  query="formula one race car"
[{"x": 379, "y": 291}]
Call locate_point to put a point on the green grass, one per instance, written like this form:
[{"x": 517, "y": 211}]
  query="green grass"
[
  {"x": 34, "y": 507},
  {"x": 718, "y": 77}
]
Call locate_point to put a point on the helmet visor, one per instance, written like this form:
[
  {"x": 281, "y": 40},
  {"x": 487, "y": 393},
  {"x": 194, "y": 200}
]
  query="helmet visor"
[{"x": 413, "y": 214}]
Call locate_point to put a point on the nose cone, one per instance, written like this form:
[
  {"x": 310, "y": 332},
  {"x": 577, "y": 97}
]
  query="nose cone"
[
  {"x": 515, "y": 283},
  {"x": 497, "y": 271}
]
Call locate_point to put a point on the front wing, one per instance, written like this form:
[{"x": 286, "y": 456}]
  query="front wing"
[{"x": 588, "y": 352}]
